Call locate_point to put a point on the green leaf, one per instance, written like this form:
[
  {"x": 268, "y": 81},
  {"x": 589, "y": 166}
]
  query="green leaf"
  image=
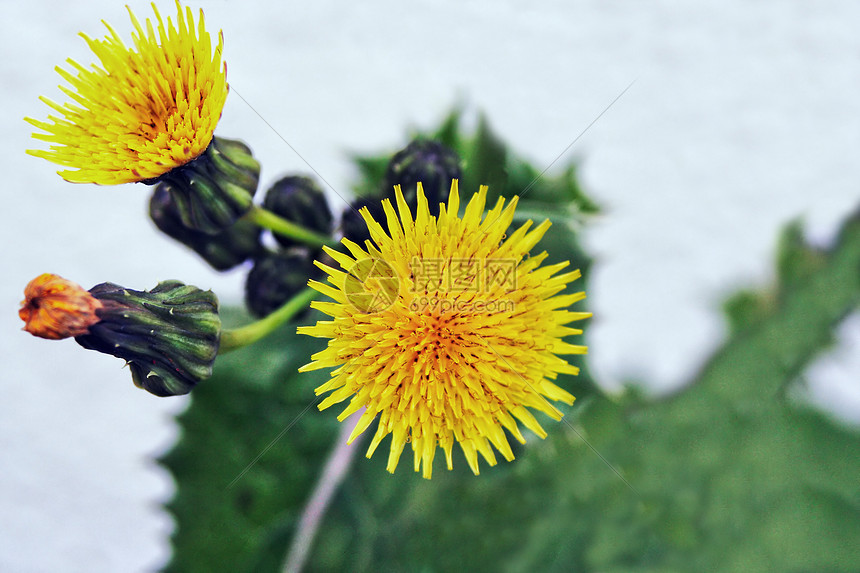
[
  {"x": 746, "y": 309},
  {"x": 371, "y": 172},
  {"x": 727, "y": 475},
  {"x": 449, "y": 132},
  {"x": 796, "y": 261},
  {"x": 485, "y": 158},
  {"x": 224, "y": 517}
]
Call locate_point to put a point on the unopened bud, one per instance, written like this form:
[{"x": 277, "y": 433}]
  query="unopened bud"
[
  {"x": 299, "y": 200},
  {"x": 216, "y": 189},
  {"x": 275, "y": 279},
  {"x": 223, "y": 250},
  {"x": 429, "y": 163},
  {"x": 169, "y": 336},
  {"x": 352, "y": 224}
]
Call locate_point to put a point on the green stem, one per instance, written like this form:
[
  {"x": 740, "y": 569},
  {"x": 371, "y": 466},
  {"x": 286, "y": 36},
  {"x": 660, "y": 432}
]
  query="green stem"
[
  {"x": 232, "y": 339},
  {"x": 268, "y": 220},
  {"x": 333, "y": 474}
]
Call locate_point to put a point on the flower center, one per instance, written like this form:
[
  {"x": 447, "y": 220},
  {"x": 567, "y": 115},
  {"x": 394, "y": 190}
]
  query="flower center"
[
  {"x": 436, "y": 344},
  {"x": 153, "y": 121}
]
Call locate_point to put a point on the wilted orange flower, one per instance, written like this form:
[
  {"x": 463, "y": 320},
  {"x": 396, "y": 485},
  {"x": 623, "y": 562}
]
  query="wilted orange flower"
[{"x": 56, "y": 308}]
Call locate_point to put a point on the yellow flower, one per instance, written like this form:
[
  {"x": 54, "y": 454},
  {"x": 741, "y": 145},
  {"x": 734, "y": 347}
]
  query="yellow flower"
[
  {"x": 145, "y": 110},
  {"x": 446, "y": 329}
]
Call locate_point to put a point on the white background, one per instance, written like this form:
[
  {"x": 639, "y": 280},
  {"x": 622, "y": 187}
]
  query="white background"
[{"x": 743, "y": 116}]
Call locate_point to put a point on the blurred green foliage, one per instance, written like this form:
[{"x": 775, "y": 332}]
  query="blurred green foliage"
[{"x": 729, "y": 474}]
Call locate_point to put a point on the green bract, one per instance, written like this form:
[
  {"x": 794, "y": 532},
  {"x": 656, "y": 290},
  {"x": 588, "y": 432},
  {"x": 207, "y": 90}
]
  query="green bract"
[
  {"x": 169, "y": 336},
  {"x": 216, "y": 189}
]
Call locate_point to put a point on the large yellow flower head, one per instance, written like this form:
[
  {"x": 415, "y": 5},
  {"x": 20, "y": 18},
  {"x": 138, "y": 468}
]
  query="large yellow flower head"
[
  {"x": 446, "y": 330},
  {"x": 145, "y": 110}
]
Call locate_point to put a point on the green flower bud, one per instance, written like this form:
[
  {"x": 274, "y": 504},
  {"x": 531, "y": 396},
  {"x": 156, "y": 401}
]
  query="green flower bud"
[
  {"x": 275, "y": 279},
  {"x": 427, "y": 162},
  {"x": 352, "y": 224},
  {"x": 222, "y": 251},
  {"x": 301, "y": 201},
  {"x": 168, "y": 336},
  {"x": 213, "y": 191}
]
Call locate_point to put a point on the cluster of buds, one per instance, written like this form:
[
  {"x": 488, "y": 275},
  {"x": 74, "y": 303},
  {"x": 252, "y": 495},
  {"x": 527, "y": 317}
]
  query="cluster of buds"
[
  {"x": 279, "y": 274},
  {"x": 204, "y": 204}
]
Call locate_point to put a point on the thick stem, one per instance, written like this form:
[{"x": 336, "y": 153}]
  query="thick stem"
[
  {"x": 333, "y": 474},
  {"x": 281, "y": 226},
  {"x": 251, "y": 333}
]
